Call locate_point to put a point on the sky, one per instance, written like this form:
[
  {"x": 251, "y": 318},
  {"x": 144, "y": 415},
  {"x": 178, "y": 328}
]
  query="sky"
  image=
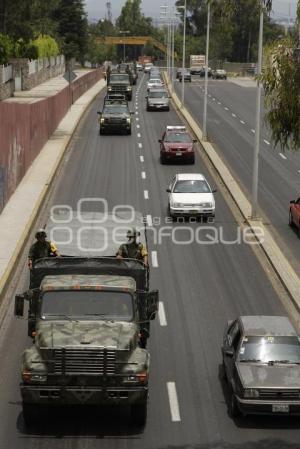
[{"x": 97, "y": 8}]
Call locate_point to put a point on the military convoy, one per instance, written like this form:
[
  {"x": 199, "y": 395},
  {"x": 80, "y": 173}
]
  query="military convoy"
[
  {"x": 89, "y": 318},
  {"x": 115, "y": 116}
]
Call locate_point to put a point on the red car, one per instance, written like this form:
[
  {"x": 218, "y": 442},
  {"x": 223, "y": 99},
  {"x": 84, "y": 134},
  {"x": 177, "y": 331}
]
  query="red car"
[
  {"x": 177, "y": 145},
  {"x": 294, "y": 215}
]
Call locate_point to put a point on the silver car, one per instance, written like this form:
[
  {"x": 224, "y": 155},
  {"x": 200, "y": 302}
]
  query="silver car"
[
  {"x": 158, "y": 100},
  {"x": 190, "y": 195}
]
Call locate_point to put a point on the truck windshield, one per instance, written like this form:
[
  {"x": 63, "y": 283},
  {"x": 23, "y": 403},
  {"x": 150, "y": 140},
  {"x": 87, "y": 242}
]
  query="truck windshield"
[
  {"x": 124, "y": 78},
  {"x": 109, "y": 305},
  {"x": 115, "y": 109}
]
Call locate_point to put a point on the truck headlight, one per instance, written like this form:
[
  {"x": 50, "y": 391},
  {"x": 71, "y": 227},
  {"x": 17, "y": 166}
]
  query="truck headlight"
[
  {"x": 128, "y": 88},
  {"x": 109, "y": 88},
  {"x": 28, "y": 376},
  {"x": 102, "y": 120},
  {"x": 251, "y": 393},
  {"x": 128, "y": 120},
  {"x": 140, "y": 378}
]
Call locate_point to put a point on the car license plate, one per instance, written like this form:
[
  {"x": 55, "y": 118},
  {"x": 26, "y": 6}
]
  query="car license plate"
[
  {"x": 178, "y": 153},
  {"x": 280, "y": 408}
]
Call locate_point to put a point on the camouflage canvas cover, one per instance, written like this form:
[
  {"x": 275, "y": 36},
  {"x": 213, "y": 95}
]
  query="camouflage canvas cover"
[{"x": 88, "y": 282}]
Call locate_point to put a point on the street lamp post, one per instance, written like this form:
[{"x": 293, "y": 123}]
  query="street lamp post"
[
  {"x": 206, "y": 74},
  {"x": 183, "y": 54},
  {"x": 124, "y": 48},
  {"x": 254, "y": 214}
]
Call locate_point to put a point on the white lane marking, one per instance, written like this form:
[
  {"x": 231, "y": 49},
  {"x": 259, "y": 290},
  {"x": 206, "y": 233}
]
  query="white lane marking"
[
  {"x": 219, "y": 102},
  {"x": 138, "y": 126},
  {"x": 140, "y": 145},
  {"x": 146, "y": 194},
  {"x": 282, "y": 155},
  {"x": 253, "y": 131},
  {"x": 174, "y": 407},
  {"x": 268, "y": 143},
  {"x": 226, "y": 109},
  {"x": 209, "y": 95},
  {"x": 142, "y": 158},
  {"x": 154, "y": 259},
  {"x": 298, "y": 171},
  {"x": 137, "y": 119},
  {"x": 233, "y": 115},
  {"x": 143, "y": 175},
  {"x": 149, "y": 221},
  {"x": 137, "y": 113},
  {"x": 161, "y": 314},
  {"x": 139, "y": 135},
  {"x": 242, "y": 122}
]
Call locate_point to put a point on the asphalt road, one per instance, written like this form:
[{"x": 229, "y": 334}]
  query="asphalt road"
[
  {"x": 201, "y": 287},
  {"x": 230, "y": 126}
]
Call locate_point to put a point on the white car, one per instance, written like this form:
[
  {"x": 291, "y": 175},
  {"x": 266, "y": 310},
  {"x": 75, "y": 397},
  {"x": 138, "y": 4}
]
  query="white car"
[
  {"x": 139, "y": 67},
  {"x": 155, "y": 83},
  {"x": 147, "y": 67},
  {"x": 190, "y": 195}
]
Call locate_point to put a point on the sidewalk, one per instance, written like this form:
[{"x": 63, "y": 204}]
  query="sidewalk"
[{"x": 19, "y": 214}]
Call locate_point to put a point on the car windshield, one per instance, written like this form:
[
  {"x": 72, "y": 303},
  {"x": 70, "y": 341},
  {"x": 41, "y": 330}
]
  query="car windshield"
[
  {"x": 178, "y": 137},
  {"x": 155, "y": 81},
  {"x": 109, "y": 305},
  {"x": 270, "y": 349},
  {"x": 191, "y": 186},
  {"x": 119, "y": 77},
  {"x": 158, "y": 94},
  {"x": 115, "y": 109}
]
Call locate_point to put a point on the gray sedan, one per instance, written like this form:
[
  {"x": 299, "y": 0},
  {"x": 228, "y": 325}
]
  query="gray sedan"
[
  {"x": 261, "y": 363},
  {"x": 158, "y": 100}
]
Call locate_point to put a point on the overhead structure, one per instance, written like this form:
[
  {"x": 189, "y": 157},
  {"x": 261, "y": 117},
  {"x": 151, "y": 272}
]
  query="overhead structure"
[
  {"x": 134, "y": 40},
  {"x": 109, "y": 14}
]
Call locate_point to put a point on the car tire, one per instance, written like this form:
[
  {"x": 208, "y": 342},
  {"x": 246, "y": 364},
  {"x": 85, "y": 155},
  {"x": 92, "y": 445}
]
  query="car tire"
[
  {"x": 162, "y": 159},
  {"x": 290, "y": 219},
  {"x": 101, "y": 132},
  {"x": 138, "y": 414},
  {"x": 168, "y": 109},
  {"x": 192, "y": 160},
  {"x": 233, "y": 406},
  {"x": 173, "y": 218}
]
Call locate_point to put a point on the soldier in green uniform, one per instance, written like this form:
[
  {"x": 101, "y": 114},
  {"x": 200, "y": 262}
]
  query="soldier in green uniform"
[
  {"x": 133, "y": 249},
  {"x": 41, "y": 248}
]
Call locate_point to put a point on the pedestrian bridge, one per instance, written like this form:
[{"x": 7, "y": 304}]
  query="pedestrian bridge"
[{"x": 134, "y": 40}]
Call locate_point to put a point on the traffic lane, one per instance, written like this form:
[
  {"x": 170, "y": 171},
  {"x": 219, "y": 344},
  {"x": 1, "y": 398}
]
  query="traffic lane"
[
  {"x": 276, "y": 185},
  {"x": 74, "y": 428},
  {"x": 209, "y": 284}
]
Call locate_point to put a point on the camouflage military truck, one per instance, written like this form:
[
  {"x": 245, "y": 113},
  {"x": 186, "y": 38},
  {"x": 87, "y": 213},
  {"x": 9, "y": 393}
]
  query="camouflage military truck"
[
  {"x": 119, "y": 83},
  {"x": 88, "y": 318}
]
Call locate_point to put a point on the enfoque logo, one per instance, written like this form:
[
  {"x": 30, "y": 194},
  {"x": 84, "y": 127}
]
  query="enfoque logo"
[{"x": 102, "y": 231}]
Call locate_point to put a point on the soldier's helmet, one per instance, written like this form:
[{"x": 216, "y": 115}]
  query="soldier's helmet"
[
  {"x": 133, "y": 233},
  {"x": 40, "y": 233}
]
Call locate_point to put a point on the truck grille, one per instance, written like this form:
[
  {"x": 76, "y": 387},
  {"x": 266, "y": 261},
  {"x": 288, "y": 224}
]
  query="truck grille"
[
  {"x": 279, "y": 395},
  {"x": 84, "y": 361},
  {"x": 118, "y": 88},
  {"x": 115, "y": 120}
]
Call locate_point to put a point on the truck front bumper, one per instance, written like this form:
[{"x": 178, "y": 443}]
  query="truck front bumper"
[{"x": 87, "y": 395}]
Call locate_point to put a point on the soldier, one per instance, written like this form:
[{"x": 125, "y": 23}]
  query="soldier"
[
  {"x": 41, "y": 248},
  {"x": 133, "y": 249}
]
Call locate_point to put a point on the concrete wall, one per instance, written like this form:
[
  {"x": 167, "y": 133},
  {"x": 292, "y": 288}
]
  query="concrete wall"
[{"x": 25, "y": 128}]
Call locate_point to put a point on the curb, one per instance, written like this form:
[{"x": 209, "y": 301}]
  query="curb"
[
  {"x": 287, "y": 275},
  {"x": 22, "y": 239}
]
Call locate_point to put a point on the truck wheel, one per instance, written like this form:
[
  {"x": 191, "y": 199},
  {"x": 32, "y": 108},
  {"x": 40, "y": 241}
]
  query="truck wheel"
[
  {"x": 101, "y": 132},
  {"x": 139, "y": 414},
  {"x": 31, "y": 414},
  {"x": 233, "y": 406}
]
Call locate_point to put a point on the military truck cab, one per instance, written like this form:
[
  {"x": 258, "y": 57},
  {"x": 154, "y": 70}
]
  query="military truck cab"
[{"x": 120, "y": 83}]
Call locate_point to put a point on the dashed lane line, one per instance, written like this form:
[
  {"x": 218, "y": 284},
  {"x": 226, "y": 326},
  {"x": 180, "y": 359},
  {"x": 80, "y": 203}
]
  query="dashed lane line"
[
  {"x": 146, "y": 194},
  {"x": 161, "y": 314},
  {"x": 226, "y": 109},
  {"x": 139, "y": 135},
  {"x": 253, "y": 131},
  {"x": 154, "y": 259},
  {"x": 142, "y": 159},
  {"x": 242, "y": 122},
  {"x": 233, "y": 115},
  {"x": 268, "y": 143},
  {"x": 138, "y": 126},
  {"x": 143, "y": 174},
  {"x": 282, "y": 155},
  {"x": 173, "y": 401},
  {"x": 140, "y": 145}
]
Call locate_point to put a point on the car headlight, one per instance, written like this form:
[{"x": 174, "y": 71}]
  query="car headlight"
[
  {"x": 205, "y": 204},
  {"x": 251, "y": 393},
  {"x": 128, "y": 88},
  {"x": 177, "y": 205}
]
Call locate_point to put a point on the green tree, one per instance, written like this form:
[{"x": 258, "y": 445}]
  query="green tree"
[
  {"x": 132, "y": 19},
  {"x": 6, "y": 48},
  {"x": 72, "y": 28}
]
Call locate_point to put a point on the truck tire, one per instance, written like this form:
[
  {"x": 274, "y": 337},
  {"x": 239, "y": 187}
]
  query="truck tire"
[
  {"x": 233, "y": 406},
  {"x": 31, "y": 414},
  {"x": 139, "y": 414}
]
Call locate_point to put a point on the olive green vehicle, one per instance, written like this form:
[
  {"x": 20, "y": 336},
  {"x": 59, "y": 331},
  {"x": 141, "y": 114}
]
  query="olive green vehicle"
[
  {"x": 115, "y": 117},
  {"x": 89, "y": 319},
  {"x": 119, "y": 83}
]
